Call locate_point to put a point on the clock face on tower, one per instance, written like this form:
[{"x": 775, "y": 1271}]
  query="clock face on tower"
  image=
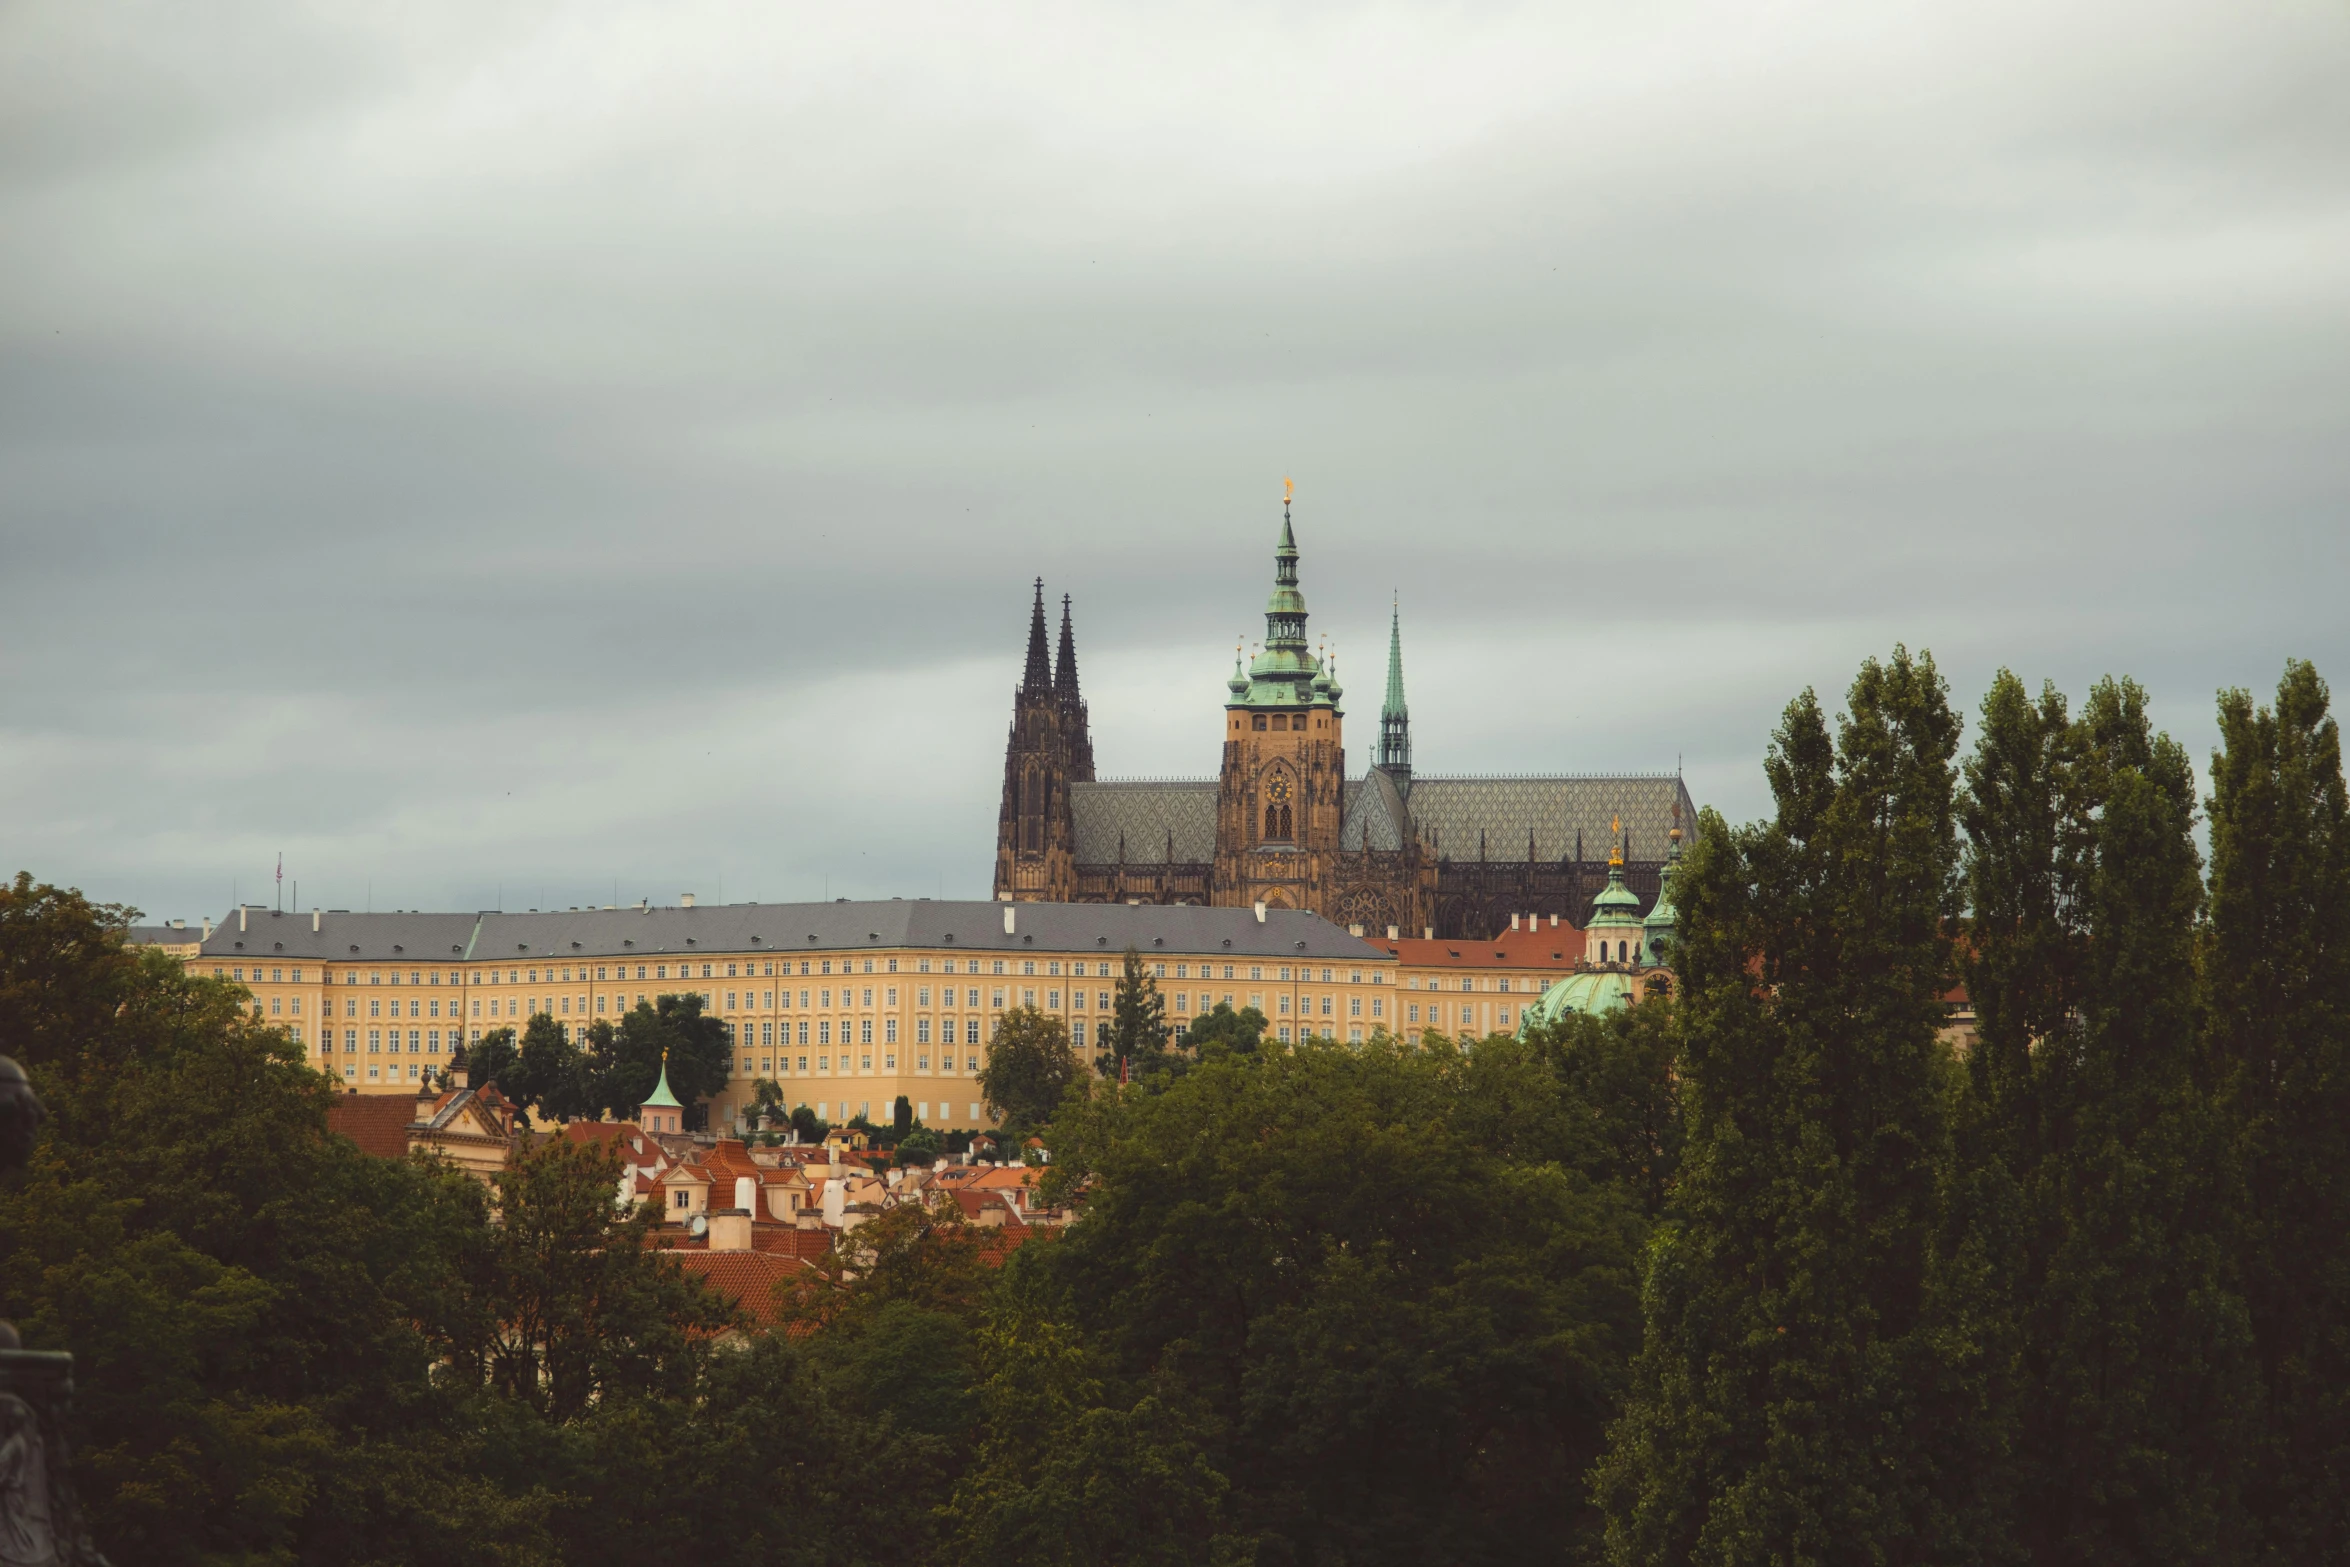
[{"x": 1279, "y": 789}]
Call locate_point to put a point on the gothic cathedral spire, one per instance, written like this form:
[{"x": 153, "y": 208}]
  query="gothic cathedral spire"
[
  {"x": 1035, "y": 833},
  {"x": 1395, "y": 719},
  {"x": 1074, "y": 732},
  {"x": 1038, "y": 677}
]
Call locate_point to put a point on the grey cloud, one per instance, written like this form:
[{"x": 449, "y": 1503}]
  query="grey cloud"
[{"x": 567, "y": 446}]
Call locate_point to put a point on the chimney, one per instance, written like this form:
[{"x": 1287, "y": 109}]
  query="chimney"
[
  {"x": 1427, "y": 933},
  {"x": 427, "y": 1101},
  {"x": 1554, "y": 922},
  {"x": 1391, "y": 933},
  {"x": 240, "y": 917},
  {"x": 313, "y": 922},
  {"x": 746, "y": 1194},
  {"x": 1513, "y": 922},
  {"x": 729, "y": 1229},
  {"x": 207, "y": 927},
  {"x": 1354, "y": 930},
  {"x": 685, "y": 900},
  {"x": 1008, "y": 910},
  {"x": 1260, "y": 911}
]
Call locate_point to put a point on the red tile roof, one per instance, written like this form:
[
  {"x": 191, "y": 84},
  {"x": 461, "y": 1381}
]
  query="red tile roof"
[
  {"x": 378, "y": 1123},
  {"x": 1547, "y": 946},
  {"x": 748, "y": 1278}
]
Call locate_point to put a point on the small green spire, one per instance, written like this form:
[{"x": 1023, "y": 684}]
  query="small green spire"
[
  {"x": 1394, "y": 707},
  {"x": 1395, "y": 723},
  {"x": 662, "y": 1098}
]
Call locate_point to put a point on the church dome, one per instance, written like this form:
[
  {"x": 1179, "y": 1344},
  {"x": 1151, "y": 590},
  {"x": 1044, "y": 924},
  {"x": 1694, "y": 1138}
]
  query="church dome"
[
  {"x": 1616, "y": 904},
  {"x": 1592, "y": 993}
]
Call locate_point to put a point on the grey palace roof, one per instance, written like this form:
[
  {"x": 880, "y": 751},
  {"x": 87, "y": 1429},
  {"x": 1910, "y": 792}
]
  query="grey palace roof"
[
  {"x": 733, "y": 928},
  {"x": 1462, "y": 818}
]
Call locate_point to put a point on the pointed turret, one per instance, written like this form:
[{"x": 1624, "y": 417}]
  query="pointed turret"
[
  {"x": 1039, "y": 674},
  {"x": 661, "y": 1112},
  {"x": 1074, "y": 730},
  {"x": 1395, "y": 719},
  {"x": 1065, "y": 663},
  {"x": 1658, "y": 929}
]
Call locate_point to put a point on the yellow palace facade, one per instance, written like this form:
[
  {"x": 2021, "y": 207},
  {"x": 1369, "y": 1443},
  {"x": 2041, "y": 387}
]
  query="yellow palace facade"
[{"x": 848, "y": 1005}]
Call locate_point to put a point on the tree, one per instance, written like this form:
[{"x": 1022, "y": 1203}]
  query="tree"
[
  {"x": 2277, "y": 970},
  {"x": 551, "y": 1075},
  {"x": 2096, "y": 1187},
  {"x": 495, "y": 1060},
  {"x": 1029, "y": 1066},
  {"x": 1808, "y": 1388},
  {"x": 901, "y": 1116},
  {"x": 566, "y": 1305},
  {"x": 767, "y": 1104},
  {"x": 625, "y": 1062},
  {"x": 1366, "y": 1282},
  {"x": 1225, "y": 1030},
  {"x": 921, "y": 1146},
  {"x": 1621, "y": 1072},
  {"x": 1138, "y": 1026},
  {"x": 250, "y": 1302},
  {"x": 806, "y": 1127}
]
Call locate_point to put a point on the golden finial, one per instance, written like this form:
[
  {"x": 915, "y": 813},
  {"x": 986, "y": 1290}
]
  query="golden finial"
[
  {"x": 1615, "y": 852},
  {"x": 1287, "y": 489}
]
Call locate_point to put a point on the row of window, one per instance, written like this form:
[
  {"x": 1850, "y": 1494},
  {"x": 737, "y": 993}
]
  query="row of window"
[
  {"x": 946, "y": 1112},
  {"x": 785, "y": 1065},
  {"x": 1052, "y": 967}
]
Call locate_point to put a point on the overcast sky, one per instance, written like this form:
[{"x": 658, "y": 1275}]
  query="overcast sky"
[{"x": 557, "y": 455}]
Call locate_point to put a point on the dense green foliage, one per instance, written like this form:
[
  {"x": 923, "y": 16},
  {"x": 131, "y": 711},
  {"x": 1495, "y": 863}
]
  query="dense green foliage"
[
  {"x": 1781, "y": 1270},
  {"x": 611, "y": 1070},
  {"x": 1030, "y": 1064}
]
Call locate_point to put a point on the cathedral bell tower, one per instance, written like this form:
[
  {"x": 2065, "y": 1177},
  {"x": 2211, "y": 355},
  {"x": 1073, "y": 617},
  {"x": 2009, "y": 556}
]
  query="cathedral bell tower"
[
  {"x": 1048, "y": 750},
  {"x": 1282, "y": 792}
]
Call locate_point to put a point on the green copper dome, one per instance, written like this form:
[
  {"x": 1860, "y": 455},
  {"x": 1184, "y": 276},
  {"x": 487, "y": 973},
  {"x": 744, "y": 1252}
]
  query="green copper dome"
[
  {"x": 1593, "y": 993},
  {"x": 1617, "y": 905}
]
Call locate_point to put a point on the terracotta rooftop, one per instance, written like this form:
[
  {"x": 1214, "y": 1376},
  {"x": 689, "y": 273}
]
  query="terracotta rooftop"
[
  {"x": 1549, "y": 946},
  {"x": 378, "y": 1123},
  {"x": 748, "y": 1278}
]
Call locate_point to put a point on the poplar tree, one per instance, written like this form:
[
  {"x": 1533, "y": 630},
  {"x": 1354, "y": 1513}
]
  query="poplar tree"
[
  {"x": 1809, "y": 1388},
  {"x": 1138, "y": 1026},
  {"x": 2094, "y": 1187},
  {"x": 2278, "y": 976}
]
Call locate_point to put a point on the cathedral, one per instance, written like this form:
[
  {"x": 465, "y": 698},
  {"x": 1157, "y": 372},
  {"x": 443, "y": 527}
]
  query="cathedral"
[{"x": 1282, "y": 823}]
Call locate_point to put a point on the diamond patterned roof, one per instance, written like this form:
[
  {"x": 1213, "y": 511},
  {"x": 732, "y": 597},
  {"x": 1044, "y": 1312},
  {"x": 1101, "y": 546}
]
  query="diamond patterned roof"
[
  {"x": 1454, "y": 813},
  {"x": 1142, "y": 816}
]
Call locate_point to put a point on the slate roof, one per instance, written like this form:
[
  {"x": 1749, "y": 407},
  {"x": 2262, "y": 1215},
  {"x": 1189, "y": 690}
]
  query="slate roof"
[
  {"x": 734, "y": 928},
  {"x": 343, "y": 937},
  {"x": 1136, "y": 821},
  {"x": 1454, "y": 812},
  {"x": 162, "y": 935},
  {"x": 1451, "y": 813}
]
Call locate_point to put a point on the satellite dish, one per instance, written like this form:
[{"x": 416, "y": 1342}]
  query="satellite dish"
[{"x": 700, "y": 1226}]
